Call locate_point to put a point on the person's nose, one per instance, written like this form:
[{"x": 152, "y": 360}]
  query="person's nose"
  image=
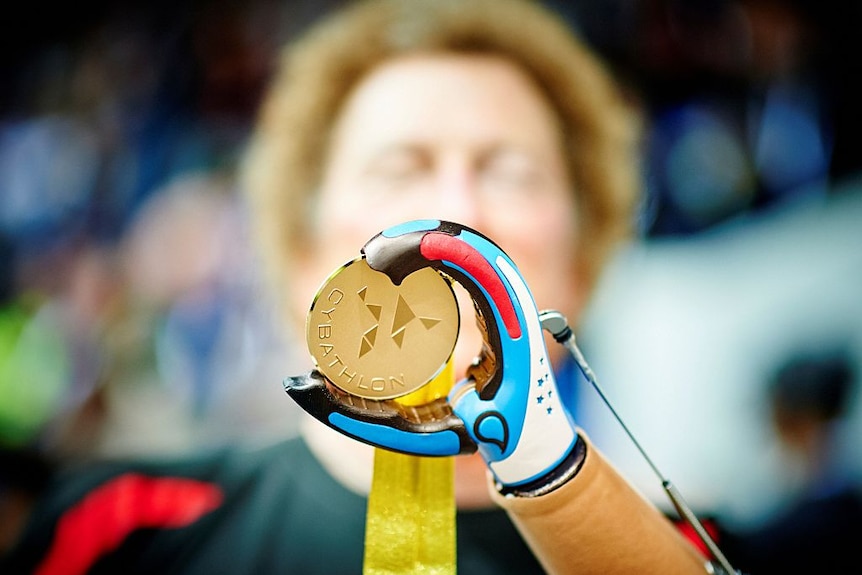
[{"x": 458, "y": 194}]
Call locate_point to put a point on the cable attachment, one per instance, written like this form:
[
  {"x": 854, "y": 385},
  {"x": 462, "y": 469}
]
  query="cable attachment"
[{"x": 556, "y": 324}]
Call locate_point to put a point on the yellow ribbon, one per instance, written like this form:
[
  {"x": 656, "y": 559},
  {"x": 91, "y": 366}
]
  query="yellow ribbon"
[{"x": 410, "y": 522}]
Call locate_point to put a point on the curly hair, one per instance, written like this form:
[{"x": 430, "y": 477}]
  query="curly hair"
[{"x": 316, "y": 75}]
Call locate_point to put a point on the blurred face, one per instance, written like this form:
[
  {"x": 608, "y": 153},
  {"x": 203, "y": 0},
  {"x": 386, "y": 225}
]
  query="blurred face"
[{"x": 462, "y": 138}]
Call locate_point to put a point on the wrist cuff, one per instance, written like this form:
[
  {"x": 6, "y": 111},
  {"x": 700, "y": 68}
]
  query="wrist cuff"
[{"x": 568, "y": 468}]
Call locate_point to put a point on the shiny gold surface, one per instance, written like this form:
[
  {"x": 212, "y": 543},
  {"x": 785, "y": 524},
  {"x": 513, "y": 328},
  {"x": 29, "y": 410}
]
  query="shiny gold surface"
[{"x": 377, "y": 340}]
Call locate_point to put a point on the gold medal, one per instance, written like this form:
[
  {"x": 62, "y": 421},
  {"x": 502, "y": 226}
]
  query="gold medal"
[{"x": 378, "y": 340}]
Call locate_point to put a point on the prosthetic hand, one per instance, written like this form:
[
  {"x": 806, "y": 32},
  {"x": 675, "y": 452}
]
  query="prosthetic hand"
[{"x": 507, "y": 407}]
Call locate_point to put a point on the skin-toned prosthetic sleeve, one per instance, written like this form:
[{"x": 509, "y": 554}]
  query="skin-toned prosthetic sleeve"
[{"x": 597, "y": 523}]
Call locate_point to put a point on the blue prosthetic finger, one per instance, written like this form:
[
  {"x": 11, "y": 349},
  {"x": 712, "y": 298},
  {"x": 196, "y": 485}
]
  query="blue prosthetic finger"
[{"x": 431, "y": 429}]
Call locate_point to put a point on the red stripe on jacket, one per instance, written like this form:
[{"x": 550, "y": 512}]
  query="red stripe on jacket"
[{"x": 101, "y": 521}]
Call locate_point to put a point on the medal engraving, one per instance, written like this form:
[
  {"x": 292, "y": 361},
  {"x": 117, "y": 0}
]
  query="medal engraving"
[{"x": 377, "y": 340}]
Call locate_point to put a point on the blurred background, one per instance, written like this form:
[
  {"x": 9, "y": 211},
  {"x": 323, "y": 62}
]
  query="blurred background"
[{"x": 131, "y": 318}]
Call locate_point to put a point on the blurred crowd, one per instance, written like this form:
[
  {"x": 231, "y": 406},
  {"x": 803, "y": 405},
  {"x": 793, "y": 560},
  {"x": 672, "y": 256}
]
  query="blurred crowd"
[
  {"x": 153, "y": 341},
  {"x": 131, "y": 319}
]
